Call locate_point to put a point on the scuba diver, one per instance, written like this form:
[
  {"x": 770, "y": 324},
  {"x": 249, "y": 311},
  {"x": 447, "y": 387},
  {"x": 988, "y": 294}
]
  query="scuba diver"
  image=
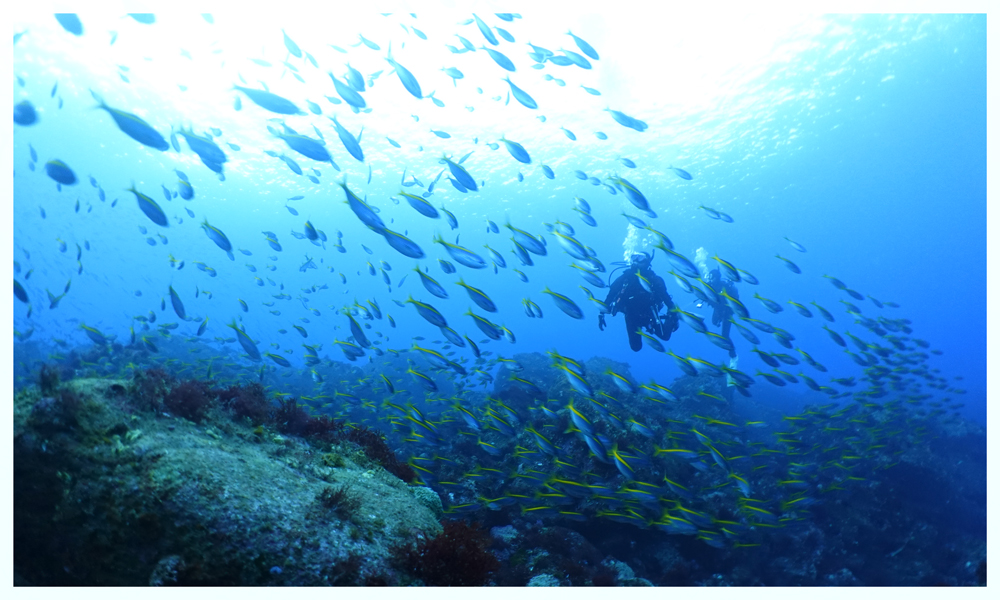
[
  {"x": 721, "y": 312},
  {"x": 640, "y": 293}
]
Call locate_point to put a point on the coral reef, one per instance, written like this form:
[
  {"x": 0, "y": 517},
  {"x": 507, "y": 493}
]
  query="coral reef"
[
  {"x": 458, "y": 556},
  {"x": 48, "y": 379},
  {"x": 155, "y": 389},
  {"x": 164, "y": 480},
  {"x": 149, "y": 386},
  {"x": 374, "y": 445},
  {"x": 189, "y": 399},
  {"x": 339, "y": 500},
  {"x": 248, "y": 401},
  {"x": 116, "y": 496}
]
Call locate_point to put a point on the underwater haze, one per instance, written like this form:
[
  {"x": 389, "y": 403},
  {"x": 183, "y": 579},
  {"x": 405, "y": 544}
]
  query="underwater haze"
[{"x": 239, "y": 199}]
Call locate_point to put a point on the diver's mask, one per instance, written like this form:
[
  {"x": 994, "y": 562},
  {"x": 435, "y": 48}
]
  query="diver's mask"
[{"x": 640, "y": 260}]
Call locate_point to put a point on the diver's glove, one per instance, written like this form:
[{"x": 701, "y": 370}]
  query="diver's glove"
[{"x": 601, "y": 323}]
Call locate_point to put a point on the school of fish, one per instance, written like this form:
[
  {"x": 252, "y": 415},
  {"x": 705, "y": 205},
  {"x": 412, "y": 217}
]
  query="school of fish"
[{"x": 567, "y": 442}]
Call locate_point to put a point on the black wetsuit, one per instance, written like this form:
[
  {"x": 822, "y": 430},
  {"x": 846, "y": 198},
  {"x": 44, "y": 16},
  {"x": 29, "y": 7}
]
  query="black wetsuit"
[{"x": 641, "y": 308}]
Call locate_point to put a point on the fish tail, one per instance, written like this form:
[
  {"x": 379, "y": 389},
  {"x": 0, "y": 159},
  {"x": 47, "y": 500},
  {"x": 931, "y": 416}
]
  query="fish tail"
[{"x": 98, "y": 98}]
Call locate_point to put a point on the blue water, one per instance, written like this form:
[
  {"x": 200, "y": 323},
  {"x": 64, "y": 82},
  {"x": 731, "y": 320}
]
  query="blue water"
[{"x": 862, "y": 138}]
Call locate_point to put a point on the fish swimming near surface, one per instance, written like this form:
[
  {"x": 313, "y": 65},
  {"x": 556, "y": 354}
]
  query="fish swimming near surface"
[
  {"x": 136, "y": 128},
  {"x": 352, "y": 144},
  {"x": 584, "y": 46},
  {"x": 220, "y": 239},
  {"x": 348, "y": 93},
  {"x": 306, "y": 146},
  {"x": 501, "y": 59},
  {"x": 60, "y": 172},
  {"x": 208, "y": 151},
  {"x": 517, "y": 151},
  {"x": 24, "y": 113},
  {"x": 70, "y": 22},
  {"x": 402, "y": 244},
  {"x": 150, "y": 208},
  {"x": 405, "y": 77},
  {"x": 270, "y": 102}
]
